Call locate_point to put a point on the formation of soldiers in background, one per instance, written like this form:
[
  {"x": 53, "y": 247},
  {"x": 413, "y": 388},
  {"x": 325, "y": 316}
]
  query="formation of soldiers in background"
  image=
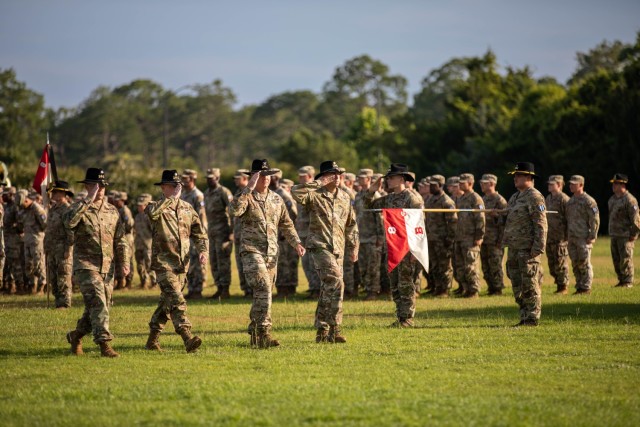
[{"x": 460, "y": 244}]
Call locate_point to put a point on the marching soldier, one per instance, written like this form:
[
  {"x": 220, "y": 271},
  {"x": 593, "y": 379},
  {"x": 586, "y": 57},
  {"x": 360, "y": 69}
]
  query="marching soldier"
[
  {"x": 193, "y": 196},
  {"x": 370, "y": 252},
  {"x": 287, "y": 278},
  {"x": 557, "y": 245},
  {"x": 241, "y": 179},
  {"x": 120, "y": 202},
  {"x": 305, "y": 176},
  {"x": 142, "y": 243},
  {"x": 491, "y": 251},
  {"x": 34, "y": 219}
]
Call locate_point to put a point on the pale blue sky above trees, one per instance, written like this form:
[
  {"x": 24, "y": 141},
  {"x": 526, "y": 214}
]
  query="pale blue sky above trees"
[{"x": 65, "y": 49}]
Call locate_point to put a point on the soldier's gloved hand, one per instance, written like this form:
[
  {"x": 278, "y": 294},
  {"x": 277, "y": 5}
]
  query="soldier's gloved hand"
[
  {"x": 377, "y": 186},
  {"x": 253, "y": 181},
  {"x": 177, "y": 192},
  {"x": 300, "y": 250},
  {"x": 202, "y": 258},
  {"x": 91, "y": 194}
]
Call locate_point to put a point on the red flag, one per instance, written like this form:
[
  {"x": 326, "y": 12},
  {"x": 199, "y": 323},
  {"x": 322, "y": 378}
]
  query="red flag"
[
  {"x": 405, "y": 231},
  {"x": 43, "y": 175}
]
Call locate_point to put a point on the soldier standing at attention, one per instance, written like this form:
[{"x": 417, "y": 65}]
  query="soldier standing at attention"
[
  {"x": 263, "y": 215},
  {"x": 491, "y": 251},
  {"x": 142, "y": 243},
  {"x": 176, "y": 231},
  {"x": 583, "y": 222},
  {"x": 348, "y": 267},
  {"x": 287, "y": 277},
  {"x": 120, "y": 202},
  {"x": 332, "y": 227},
  {"x": 34, "y": 219},
  {"x": 557, "y": 245},
  {"x": 469, "y": 235},
  {"x": 12, "y": 229},
  {"x": 217, "y": 199},
  {"x": 240, "y": 179},
  {"x": 624, "y": 226},
  {"x": 305, "y": 176},
  {"x": 193, "y": 196},
  {"x": 98, "y": 236},
  {"x": 2, "y": 252},
  {"x": 402, "y": 282},
  {"x": 370, "y": 252},
  {"x": 525, "y": 234},
  {"x": 58, "y": 245}
]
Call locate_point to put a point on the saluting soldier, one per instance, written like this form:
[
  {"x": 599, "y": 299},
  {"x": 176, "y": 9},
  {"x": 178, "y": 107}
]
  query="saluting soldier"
[
  {"x": 99, "y": 237},
  {"x": 557, "y": 244},
  {"x": 287, "y": 278},
  {"x": 305, "y": 176},
  {"x": 240, "y": 179},
  {"x": 263, "y": 215},
  {"x": 142, "y": 243},
  {"x": 120, "y": 202},
  {"x": 624, "y": 226},
  {"x": 192, "y": 195},
  {"x": 525, "y": 235},
  {"x": 370, "y": 252},
  {"x": 491, "y": 251},
  {"x": 176, "y": 230},
  {"x": 58, "y": 244},
  {"x": 34, "y": 220}
]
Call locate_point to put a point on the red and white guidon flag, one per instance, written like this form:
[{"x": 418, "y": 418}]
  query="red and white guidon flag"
[
  {"x": 43, "y": 175},
  {"x": 405, "y": 230}
]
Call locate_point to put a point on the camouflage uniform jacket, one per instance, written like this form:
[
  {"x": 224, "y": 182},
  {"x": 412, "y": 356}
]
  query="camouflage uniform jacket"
[
  {"x": 34, "y": 219},
  {"x": 144, "y": 234},
  {"x": 624, "y": 219},
  {"x": 56, "y": 235},
  {"x": 216, "y": 205},
  {"x": 441, "y": 226},
  {"x": 12, "y": 226},
  {"x": 98, "y": 233},
  {"x": 470, "y": 224},
  {"x": 195, "y": 198},
  {"x": 368, "y": 222},
  {"x": 292, "y": 206},
  {"x": 237, "y": 224},
  {"x": 173, "y": 223},
  {"x": 1, "y": 231},
  {"x": 526, "y": 226},
  {"x": 302, "y": 221},
  {"x": 557, "y": 222},
  {"x": 583, "y": 219},
  {"x": 332, "y": 219},
  {"x": 127, "y": 219},
  {"x": 494, "y": 226},
  {"x": 262, "y": 216}
]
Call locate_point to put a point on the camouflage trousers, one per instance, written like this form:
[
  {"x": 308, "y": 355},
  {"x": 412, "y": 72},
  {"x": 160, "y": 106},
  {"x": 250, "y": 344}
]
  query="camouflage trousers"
[
  {"x": 348, "y": 272},
  {"x": 220, "y": 249},
  {"x": 558, "y": 259},
  {"x": 440, "y": 268},
  {"x": 143, "y": 265},
  {"x": 14, "y": 265},
  {"x": 385, "y": 280},
  {"x": 243, "y": 280},
  {"x": 34, "y": 267},
  {"x": 172, "y": 304},
  {"x": 329, "y": 270},
  {"x": 580, "y": 254},
  {"x": 310, "y": 271},
  {"x": 622, "y": 255},
  {"x": 118, "y": 271},
  {"x": 196, "y": 273},
  {"x": 524, "y": 272},
  {"x": 403, "y": 287},
  {"x": 491, "y": 257},
  {"x": 97, "y": 290},
  {"x": 287, "y": 265},
  {"x": 465, "y": 268},
  {"x": 261, "y": 276},
  {"x": 59, "y": 274},
  {"x": 369, "y": 258}
]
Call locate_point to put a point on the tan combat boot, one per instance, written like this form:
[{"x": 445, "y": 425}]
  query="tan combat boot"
[
  {"x": 191, "y": 343},
  {"x": 265, "y": 341},
  {"x": 152, "y": 342},
  {"x": 322, "y": 335},
  {"x": 335, "y": 336},
  {"x": 107, "y": 351},
  {"x": 75, "y": 339}
]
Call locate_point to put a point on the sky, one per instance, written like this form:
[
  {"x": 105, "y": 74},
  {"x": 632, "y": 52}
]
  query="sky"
[{"x": 66, "y": 49}]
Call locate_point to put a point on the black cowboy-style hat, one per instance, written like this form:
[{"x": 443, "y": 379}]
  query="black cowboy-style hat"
[
  {"x": 169, "y": 176},
  {"x": 329, "y": 166},
  {"x": 524, "y": 168},
  {"x": 399, "y": 169},
  {"x": 262, "y": 166},
  {"x": 619, "y": 178},
  {"x": 61, "y": 186},
  {"x": 94, "y": 176}
]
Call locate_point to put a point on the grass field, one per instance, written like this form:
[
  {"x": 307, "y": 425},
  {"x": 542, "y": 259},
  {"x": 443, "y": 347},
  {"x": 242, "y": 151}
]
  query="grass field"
[{"x": 462, "y": 365}]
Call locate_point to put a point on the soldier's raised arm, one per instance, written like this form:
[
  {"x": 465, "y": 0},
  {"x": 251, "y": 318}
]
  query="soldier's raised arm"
[
  {"x": 302, "y": 193},
  {"x": 73, "y": 215},
  {"x": 154, "y": 209}
]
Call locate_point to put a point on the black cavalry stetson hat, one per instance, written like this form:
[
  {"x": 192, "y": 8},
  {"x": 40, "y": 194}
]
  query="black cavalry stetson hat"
[
  {"x": 94, "y": 176},
  {"x": 400, "y": 169},
  {"x": 329, "y": 166},
  {"x": 524, "y": 168},
  {"x": 262, "y": 166},
  {"x": 61, "y": 186},
  {"x": 169, "y": 176},
  {"x": 619, "y": 178}
]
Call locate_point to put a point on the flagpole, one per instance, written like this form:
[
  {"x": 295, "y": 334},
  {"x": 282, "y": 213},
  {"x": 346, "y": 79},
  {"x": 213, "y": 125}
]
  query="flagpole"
[{"x": 45, "y": 202}]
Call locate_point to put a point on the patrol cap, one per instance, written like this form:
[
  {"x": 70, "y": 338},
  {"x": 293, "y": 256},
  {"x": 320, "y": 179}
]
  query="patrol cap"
[
  {"x": 278, "y": 174},
  {"x": 365, "y": 173},
  {"x": 376, "y": 176},
  {"x": 412, "y": 175},
  {"x": 487, "y": 177},
  {"x": 113, "y": 194},
  {"x": 466, "y": 177},
  {"x": 619, "y": 178},
  {"x": 556, "y": 179},
  {"x": 437, "y": 179},
  {"x": 9, "y": 190},
  {"x": 20, "y": 196},
  {"x": 576, "y": 179},
  {"x": 287, "y": 182},
  {"x": 453, "y": 180},
  {"x": 189, "y": 173},
  {"x": 33, "y": 195},
  {"x": 241, "y": 173},
  {"x": 307, "y": 170},
  {"x": 121, "y": 195},
  {"x": 350, "y": 176},
  {"x": 143, "y": 199},
  {"x": 213, "y": 173}
]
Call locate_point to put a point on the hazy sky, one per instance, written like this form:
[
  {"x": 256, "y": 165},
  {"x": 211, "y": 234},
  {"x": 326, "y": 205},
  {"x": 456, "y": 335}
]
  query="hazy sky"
[{"x": 65, "y": 49}]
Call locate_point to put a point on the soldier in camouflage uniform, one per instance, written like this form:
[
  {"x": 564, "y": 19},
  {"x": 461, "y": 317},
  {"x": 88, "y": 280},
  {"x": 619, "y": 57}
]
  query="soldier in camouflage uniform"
[
  {"x": 402, "y": 281},
  {"x": 120, "y": 202},
  {"x": 34, "y": 219},
  {"x": 98, "y": 237},
  {"x": 217, "y": 199},
  {"x": 2, "y": 252},
  {"x": 241, "y": 179},
  {"x": 469, "y": 234},
  {"x": 624, "y": 226},
  {"x": 583, "y": 222},
  {"x": 491, "y": 250},
  {"x": 332, "y": 227},
  {"x": 305, "y": 176},
  {"x": 58, "y": 244},
  {"x": 195, "y": 197},
  {"x": 348, "y": 267},
  {"x": 142, "y": 243},
  {"x": 263, "y": 216},
  {"x": 525, "y": 235},
  {"x": 557, "y": 245},
  {"x": 287, "y": 278},
  {"x": 370, "y": 252},
  {"x": 441, "y": 229},
  {"x": 13, "y": 272}
]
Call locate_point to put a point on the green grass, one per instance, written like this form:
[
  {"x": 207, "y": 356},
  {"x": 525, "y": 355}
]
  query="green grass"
[{"x": 462, "y": 365}]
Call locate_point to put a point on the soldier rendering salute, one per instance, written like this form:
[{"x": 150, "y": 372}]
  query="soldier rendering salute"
[
  {"x": 525, "y": 235},
  {"x": 98, "y": 236},
  {"x": 176, "y": 230},
  {"x": 332, "y": 223},
  {"x": 624, "y": 226},
  {"x": 557, "y": 245},
  {"x": 262, "y": 214}
]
